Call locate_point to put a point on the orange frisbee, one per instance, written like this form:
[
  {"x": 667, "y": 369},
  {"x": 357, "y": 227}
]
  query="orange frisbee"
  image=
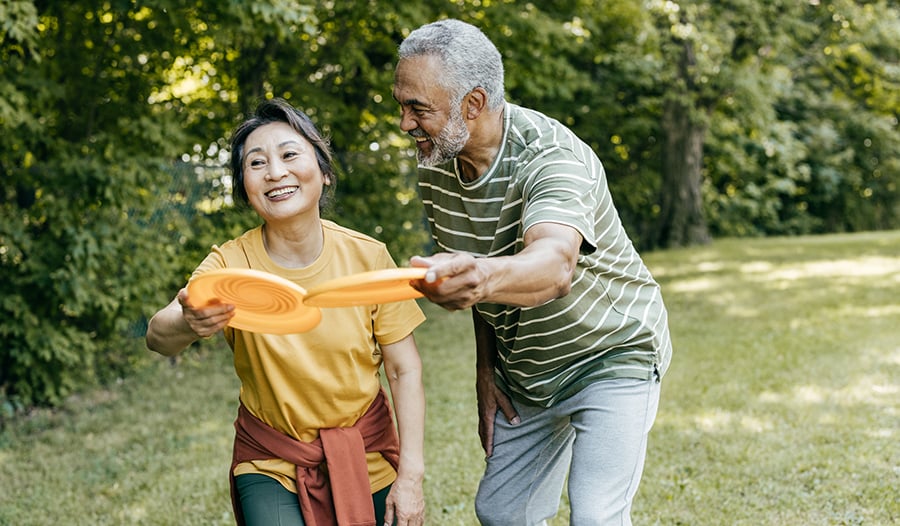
[
  {"x": 366, "y": 288},
  {"x": 263, "y": 302}
]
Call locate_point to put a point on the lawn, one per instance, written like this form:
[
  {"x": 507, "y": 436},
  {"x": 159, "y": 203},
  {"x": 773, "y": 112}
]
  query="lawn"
[{"x": 781, "y": 407}]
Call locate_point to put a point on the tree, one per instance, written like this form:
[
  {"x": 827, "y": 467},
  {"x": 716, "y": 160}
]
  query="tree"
[
  {"x": 104, "y": 107},
  {"x": 712, "y": 119},
  {"x": 80, "y": 156},
  {"x": 815, "y": 155},
  {"x": 706, "y": 53}
]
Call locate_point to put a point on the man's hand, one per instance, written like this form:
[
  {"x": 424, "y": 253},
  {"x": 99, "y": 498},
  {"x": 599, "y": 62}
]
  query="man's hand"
[
  {"x": 490, "y": 399},
  {"x": 540, "y": 272},
  {"x": 453, "y": 281}
]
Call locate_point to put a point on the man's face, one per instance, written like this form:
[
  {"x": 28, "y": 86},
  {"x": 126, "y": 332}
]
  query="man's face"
[{"x": 427, "y": 113}]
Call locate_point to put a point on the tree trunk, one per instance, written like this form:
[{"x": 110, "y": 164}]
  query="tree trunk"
[{"x": 681, "y": 221}]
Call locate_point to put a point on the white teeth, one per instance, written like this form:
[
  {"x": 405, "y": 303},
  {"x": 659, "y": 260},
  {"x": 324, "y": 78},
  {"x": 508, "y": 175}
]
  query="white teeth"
[
  {"x": 421, "y": 139},
  {"x": 281, "y": 191}
]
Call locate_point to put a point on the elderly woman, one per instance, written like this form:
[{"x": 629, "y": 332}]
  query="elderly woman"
[{"x": 290, "y": 467}]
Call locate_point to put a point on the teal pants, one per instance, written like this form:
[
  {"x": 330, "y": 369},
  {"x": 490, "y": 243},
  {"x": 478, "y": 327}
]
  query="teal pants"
[{"x": 265, "y": 502}]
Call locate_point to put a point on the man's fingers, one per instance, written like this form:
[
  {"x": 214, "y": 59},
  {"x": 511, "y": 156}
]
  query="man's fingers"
[
  {"x": 486, "y": 428},
  {"x": 505, "y": 405},
  {"x": 487, "y": 441}
]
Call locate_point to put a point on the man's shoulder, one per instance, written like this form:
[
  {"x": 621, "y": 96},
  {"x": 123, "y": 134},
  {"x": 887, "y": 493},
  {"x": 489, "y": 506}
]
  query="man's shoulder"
[
  {"x": 531, "y": 129},
  {"x": 528, "y": 118}
]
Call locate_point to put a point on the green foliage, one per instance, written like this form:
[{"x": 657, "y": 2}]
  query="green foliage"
[
  {"x": 114, "y": 123},
  {"x": 101, "y": 224},
  {"x": 19, "y": 21},
  {"x": 817, "y": 154},
  {"x": 77, "y": 261}
]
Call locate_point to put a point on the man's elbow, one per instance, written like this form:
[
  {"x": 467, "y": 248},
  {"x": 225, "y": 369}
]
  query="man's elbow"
[
  {"x": 564, "y": 280},
  {"x": 552, "y": 292},
  {"x": 563, "y": 288}
]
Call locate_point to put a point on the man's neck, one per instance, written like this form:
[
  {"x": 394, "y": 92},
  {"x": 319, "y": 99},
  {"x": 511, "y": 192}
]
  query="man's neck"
[{"x": 483, "y": 146}]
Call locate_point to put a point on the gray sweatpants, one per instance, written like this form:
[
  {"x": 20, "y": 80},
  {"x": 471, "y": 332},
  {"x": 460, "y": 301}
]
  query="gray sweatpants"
[{"x": 598, "y": 437}]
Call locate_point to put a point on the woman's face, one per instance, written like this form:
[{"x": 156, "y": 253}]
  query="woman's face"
[{"x": 281, "y": 174}]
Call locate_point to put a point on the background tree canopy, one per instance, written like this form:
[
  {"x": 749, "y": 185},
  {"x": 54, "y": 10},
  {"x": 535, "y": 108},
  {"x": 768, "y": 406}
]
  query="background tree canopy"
[{"x": 733, "y": 118}]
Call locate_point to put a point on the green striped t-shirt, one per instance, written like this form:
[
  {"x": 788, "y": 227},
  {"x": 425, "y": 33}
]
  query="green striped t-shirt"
[{"x": 613, "y": 321}]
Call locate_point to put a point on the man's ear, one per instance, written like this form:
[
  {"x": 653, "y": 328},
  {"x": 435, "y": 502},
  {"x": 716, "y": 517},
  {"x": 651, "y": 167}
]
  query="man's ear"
[{"x": 475, "y": 103}]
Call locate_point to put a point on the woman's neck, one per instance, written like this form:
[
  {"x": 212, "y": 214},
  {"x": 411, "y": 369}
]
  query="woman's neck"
[{"x": 292, "y": 245}]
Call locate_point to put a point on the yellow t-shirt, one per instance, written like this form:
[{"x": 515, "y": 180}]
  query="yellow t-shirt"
[{"x": 326, "y": 377}]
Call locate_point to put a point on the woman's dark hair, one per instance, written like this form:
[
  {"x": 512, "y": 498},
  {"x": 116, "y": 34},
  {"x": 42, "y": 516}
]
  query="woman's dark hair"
[{"x": 279, "y": 110}]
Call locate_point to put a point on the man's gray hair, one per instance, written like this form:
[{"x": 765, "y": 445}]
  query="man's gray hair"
[{"x": 469, "y": 57}]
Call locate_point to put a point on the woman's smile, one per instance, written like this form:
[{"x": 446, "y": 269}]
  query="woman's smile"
[{"x": 281, "y": 193}]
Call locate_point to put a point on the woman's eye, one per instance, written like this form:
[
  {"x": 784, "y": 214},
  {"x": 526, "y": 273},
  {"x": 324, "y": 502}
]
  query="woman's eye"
[
  {"x": 290, "y": 155},
  {"x": 256, "y": 163}
]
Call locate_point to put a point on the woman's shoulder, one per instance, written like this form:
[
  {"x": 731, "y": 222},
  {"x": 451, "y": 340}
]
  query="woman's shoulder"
[
  {"x": 238, "y": 251},
  {"x": 348, "y": 235},
  {"x": 347, "y": 244}
]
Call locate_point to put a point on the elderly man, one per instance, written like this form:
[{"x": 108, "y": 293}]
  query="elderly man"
[{"x": 571, "y": 330}]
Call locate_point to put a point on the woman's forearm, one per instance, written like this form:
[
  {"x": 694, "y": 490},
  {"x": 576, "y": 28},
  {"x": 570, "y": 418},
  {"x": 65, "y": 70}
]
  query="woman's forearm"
[
  {"x": 403, "y": 368},
  {"x": 167, "y": 332}
]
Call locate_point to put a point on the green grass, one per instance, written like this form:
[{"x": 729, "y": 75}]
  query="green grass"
[{"x": 781, "y": 407}]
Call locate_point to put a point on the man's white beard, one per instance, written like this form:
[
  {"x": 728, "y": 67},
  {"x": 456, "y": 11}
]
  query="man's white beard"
[{"x": 449, "y": 142}]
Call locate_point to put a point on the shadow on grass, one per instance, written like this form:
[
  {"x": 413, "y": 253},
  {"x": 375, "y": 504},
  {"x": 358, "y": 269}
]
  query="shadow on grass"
[{"x": 782, "y": 402}]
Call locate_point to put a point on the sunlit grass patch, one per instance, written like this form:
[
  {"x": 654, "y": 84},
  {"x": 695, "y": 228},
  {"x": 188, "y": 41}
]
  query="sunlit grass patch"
[
  {"x": 782, "y": 402},
  {"x": 781, "y": 407}
]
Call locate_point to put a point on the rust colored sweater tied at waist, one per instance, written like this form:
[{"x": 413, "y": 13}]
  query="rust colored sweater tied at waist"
[{"x": 332, "y": 474}]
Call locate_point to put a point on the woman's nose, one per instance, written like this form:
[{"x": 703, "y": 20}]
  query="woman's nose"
[{"x": 277, "y": 170}]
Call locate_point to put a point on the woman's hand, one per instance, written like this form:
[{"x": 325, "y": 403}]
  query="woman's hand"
[
  {"x": 205, "y": 321},
  {"x": 178, "y": 324},
  {"x": 405, "y": 504}
]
